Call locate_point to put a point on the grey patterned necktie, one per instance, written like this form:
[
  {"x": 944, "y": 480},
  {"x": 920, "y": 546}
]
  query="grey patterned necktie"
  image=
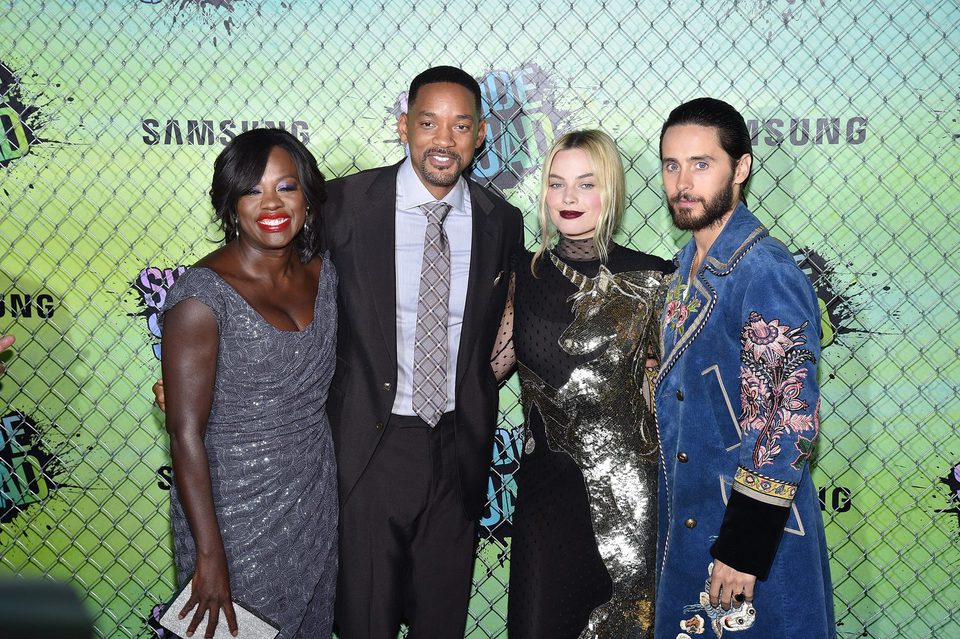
[{"x": 430, "y": 346}]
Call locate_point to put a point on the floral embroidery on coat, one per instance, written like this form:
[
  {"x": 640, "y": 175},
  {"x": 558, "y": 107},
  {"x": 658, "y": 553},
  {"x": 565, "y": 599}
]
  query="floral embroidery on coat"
[
  {"x": 678, "y": 309},
  {"x": 771, "y": 381}
]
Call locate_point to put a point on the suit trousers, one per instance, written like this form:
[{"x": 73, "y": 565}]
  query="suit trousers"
[{"x": 406, "y": 546}]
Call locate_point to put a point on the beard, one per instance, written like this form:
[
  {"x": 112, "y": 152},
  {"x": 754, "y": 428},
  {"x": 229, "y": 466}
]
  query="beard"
[
  {"x": 436, "y": 178},
  {"x": 713, "y": 211}
]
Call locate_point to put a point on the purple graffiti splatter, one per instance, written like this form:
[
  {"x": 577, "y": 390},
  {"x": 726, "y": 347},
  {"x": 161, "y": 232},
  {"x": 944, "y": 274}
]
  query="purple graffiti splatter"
[
  {"x": 153, "y": 623},
  {"x": 149, "y": 290}
]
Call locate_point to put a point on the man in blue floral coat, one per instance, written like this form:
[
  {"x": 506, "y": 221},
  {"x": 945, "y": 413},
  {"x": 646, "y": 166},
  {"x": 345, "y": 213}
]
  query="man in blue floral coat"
[{"x": 741, "y": 544}]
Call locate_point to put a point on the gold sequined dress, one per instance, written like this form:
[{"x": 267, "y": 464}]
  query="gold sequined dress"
[{"x": 584, "y": 544}]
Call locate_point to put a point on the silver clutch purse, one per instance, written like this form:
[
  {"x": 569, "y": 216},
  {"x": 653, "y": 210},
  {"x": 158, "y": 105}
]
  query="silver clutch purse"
[{"x": 249, "y": 625}]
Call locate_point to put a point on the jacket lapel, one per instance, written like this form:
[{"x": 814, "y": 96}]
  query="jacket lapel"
[
  {"x": 741, "y": 233},
  {"x": 708, "y": 299},
  {"x": 484, "y": 260},
  {"x": 378, "y": 228}
]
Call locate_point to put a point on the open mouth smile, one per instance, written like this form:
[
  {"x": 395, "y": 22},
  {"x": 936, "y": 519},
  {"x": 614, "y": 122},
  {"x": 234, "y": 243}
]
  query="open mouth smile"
[{"x": 273, "y": 223}]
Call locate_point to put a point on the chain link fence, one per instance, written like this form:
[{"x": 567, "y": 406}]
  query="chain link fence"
[{"x": 112, "y": 114}]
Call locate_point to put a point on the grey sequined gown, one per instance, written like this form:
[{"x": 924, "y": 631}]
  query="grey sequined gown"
[
  {"x": 271, "y": 457},
  {"x": 584, "y": 544}
]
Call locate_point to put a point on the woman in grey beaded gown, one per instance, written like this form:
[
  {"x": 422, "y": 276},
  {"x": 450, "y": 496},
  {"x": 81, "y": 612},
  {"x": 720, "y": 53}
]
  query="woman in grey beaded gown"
[{"x": 248, "y": 351}]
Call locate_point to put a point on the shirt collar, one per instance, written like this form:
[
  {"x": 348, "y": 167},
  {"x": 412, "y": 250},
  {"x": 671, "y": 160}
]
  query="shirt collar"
[{"x": 411, "y": 193}]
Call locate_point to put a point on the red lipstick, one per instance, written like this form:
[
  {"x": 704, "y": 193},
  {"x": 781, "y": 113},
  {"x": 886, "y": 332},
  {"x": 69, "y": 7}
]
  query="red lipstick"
[
  {"x": 273, "y": 222},
  {"x": 570, "y": 215}
]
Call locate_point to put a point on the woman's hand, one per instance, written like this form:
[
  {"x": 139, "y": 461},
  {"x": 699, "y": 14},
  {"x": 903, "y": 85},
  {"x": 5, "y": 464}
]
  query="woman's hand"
[{"x": 210, "y": 594}]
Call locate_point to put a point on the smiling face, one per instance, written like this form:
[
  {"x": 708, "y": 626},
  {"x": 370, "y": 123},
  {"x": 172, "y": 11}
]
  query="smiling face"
[
  {"x": 573, "y": 196},
  {"x": 702, "y": 183},
  {"x": 443, "y": 129},
  {"x": 272, "y": 212}
]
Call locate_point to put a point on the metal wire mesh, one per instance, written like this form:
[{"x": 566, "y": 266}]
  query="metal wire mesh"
[{"x": 113, "y": 113}]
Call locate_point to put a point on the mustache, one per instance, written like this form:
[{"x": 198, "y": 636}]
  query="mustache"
[{"x": 683, "y": 195}]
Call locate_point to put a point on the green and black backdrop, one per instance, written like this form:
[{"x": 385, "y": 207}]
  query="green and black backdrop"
[{"x": 112, "y": 114}]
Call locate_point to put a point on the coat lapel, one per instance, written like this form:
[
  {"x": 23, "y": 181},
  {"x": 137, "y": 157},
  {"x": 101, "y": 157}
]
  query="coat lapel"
[
  {"x": 740, "y": 234},
  {"x": 484, "y": 260},
  {"x": 708, "y": 299},
  {"x": 378, "y": 228}
]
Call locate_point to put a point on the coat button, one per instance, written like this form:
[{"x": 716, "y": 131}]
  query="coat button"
[
  {"x": 690, "y": 523},
  {"x": 379, "y": 425},
  {"x": 387, "y": 386},
  {"x": 682, "y": 457},
  {"x": 679, "y": 395}
]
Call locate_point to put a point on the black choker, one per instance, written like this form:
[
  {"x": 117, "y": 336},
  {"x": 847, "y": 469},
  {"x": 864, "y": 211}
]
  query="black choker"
[{"x": 581, "y": 250}]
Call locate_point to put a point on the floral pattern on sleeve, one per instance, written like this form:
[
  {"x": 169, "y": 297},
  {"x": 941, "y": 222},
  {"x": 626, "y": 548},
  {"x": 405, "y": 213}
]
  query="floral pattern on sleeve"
[{"x": 772, "y": 376}]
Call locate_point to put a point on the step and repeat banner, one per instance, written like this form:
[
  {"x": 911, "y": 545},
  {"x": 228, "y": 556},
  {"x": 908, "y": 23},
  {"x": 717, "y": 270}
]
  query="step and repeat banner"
[{"x": 113, "y": 112}]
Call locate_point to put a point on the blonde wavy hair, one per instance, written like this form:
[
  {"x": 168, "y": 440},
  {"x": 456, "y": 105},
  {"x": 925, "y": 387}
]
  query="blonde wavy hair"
[{"x": 608, "y": 170}]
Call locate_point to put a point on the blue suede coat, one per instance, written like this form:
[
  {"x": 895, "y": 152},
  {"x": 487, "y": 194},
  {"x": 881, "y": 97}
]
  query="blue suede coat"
[{"x": 736, "y": 405}]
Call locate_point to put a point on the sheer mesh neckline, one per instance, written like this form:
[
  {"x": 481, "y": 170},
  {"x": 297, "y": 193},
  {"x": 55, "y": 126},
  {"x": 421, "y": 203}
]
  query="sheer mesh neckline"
[{"x": 579, "y": 250}]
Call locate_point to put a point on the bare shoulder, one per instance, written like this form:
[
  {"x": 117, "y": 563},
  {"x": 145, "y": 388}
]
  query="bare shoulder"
[{"x": 221, "y": 261}]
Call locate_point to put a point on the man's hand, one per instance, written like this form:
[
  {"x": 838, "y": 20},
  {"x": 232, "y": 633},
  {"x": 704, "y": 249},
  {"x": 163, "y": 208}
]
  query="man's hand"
[
  {"x": 158, "y": 395},
  {"x": 5, "y": 342},
  {"x": 727, "y": 583}
]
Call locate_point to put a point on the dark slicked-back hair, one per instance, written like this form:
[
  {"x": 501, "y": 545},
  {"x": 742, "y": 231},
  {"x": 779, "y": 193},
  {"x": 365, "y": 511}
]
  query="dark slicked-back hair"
[
  {"x": 239, "y": 168},
  {"x": 731, "y": 129},
  {"x": 434, "y": 75}
]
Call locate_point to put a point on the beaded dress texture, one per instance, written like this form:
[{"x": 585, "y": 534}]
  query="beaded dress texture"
[
  {"x": 271, "y": 457},
  {"x": 584, "y": 545}
]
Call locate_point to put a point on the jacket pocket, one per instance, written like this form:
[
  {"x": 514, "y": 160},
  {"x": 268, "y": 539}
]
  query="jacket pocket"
[{"x": 722, "y": 404}]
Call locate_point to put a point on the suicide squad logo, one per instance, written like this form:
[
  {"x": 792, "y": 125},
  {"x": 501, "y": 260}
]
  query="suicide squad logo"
[
  {"x": 501, "y": 486},
  {"x": 522, "y": 123},
  {"x": 22, "y": 117},
  {"x": 31, "y": 468},
  {"x": 149, "y": 292}
]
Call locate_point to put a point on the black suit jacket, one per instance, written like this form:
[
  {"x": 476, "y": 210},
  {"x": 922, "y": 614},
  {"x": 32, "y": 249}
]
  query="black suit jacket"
[{"x": 359, "y": 232}]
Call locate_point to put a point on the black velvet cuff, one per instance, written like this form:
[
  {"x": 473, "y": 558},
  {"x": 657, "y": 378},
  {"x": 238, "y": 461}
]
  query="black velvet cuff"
[{"x": 749, "y": 535}]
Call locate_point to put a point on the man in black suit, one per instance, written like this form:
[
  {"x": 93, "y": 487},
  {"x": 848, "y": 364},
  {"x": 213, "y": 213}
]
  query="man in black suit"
[{"x": 412, "y": 487}]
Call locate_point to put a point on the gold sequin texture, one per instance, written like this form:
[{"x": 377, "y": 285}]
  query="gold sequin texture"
[{"x": 602, "y": 418}]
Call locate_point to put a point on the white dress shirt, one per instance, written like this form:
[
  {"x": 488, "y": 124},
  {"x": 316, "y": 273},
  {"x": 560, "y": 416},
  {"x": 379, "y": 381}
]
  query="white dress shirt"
[{"x": 411, "y": 225}]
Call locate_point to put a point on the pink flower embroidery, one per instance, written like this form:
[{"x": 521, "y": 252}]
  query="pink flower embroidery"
[
  {"x": 766, "y": 340},
  {"x": 771, "y": 383},
  {"x": 752, "y": 391},
  {"x": 678, "y": 311},
  {"x": 671, "y": 311}
]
